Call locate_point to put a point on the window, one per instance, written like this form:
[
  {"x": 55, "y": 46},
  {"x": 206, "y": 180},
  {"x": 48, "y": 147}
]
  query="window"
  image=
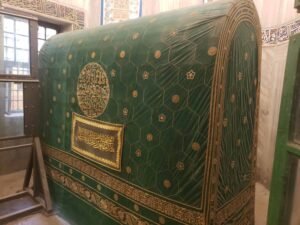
[
  {"x": 14, "y": 99},
  {"x": 21, "y": 37},
  {"x": 16, "y": 55},
  {"x": 45, "y": 31}
]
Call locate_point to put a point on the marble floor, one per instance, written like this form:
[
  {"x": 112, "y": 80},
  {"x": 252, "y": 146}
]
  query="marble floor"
[{"x": 14, "y": 183}]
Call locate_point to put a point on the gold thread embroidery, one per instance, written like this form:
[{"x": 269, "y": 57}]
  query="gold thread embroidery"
[
  {"x": 93, "y": 90},
  {"x": 162, "y": 117},
  {"x": 145, "y": 198},
  {"x": 135, "y": 93},
  {"x": 128, "y": 169},
  {"x": 149, "y": 137},
  {"x": 105, "y": 205},
  {"x": 146, "y": 75},
  {"x": 180, "y": 166},
  {"x": 138, "y": 153},
  {"x": 167, "y": 184},
  {"x": 89, "y": 141},
  {"x": 157, "y": 54},
  {"x": 175, "y": 99},
  {"x": 190, "y": 75},
  {"x": 122, "y": 54},
  {"x": 212, "y": 51},
  {"x": 125, "y": 111},
  {"x": 196, "y": 146},
  {"x": 96, "y": 140}
]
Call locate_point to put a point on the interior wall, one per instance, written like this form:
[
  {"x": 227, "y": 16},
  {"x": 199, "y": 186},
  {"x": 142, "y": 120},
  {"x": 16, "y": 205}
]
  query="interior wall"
[{"x": 274, "y": 14}]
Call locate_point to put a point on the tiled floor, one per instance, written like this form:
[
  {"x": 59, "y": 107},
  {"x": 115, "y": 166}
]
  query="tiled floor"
[{"x": 14, "y": 183}]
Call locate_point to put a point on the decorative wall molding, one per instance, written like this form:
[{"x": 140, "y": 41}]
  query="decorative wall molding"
[
  {"x": 46, "y": 7},
  {"x": 280, "y": 34}
]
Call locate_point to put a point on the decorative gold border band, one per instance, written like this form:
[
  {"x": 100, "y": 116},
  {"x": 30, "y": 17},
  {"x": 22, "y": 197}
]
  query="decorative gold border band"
[
  {"x": 46, "y": 7},
  {"x": 148, "y": 200},
  {"x": 105, "y": 205},
  {"x": 237, "y": 203}
]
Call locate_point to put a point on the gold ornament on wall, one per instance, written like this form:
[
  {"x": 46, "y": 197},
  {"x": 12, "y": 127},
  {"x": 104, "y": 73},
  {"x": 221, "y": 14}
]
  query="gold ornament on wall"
[{"x": 93, "y": 90}]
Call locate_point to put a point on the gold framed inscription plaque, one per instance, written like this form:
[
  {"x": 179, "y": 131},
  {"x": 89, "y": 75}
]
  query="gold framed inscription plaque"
[{"x": 98, "y": 141}]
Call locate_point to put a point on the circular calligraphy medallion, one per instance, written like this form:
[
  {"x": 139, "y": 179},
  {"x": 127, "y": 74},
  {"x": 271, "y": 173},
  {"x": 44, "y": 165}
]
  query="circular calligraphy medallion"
[{"x": 93, "y": 90}]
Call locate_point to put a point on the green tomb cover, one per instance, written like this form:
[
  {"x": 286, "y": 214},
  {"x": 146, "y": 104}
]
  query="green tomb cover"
[{"x": 184, "y": 87}]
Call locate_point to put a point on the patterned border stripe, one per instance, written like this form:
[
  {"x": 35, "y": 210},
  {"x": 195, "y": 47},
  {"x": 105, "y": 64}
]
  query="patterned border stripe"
[
  {"x": 156, "y": 203},
  {"x": 280, "y": 34},
  {"x": 76, "y": 17},
  {"x": 100, "y": 202},
  {"x": 237, "y": 203}
]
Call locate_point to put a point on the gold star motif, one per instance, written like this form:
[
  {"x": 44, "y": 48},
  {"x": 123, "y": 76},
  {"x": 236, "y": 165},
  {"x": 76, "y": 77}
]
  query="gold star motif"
[
  {"x": 59, "y": 86},
  {"x": 64, "y": 71},
  {"x": 125, "y": 111},
  {"x": 80, "y": 42},
  {"x": 67, "y": 114},
  {"x": 70, "y": 171},
  {"x": 161, "y": 117},
  {"x": 50, "y": 111},
  {"x": 54, "y": 98},
  {"x": 180, "y": 166},
  {"x": 146, "y": 75},
  {"x": 83, "y": 178},
  {"x": 246, "y": 56},
  {"x": 138, "y": 153},
  {"x": 99, "y": 187},
  {"x": 190, "y": 75},
  {"x": 58, "y": 140}
]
